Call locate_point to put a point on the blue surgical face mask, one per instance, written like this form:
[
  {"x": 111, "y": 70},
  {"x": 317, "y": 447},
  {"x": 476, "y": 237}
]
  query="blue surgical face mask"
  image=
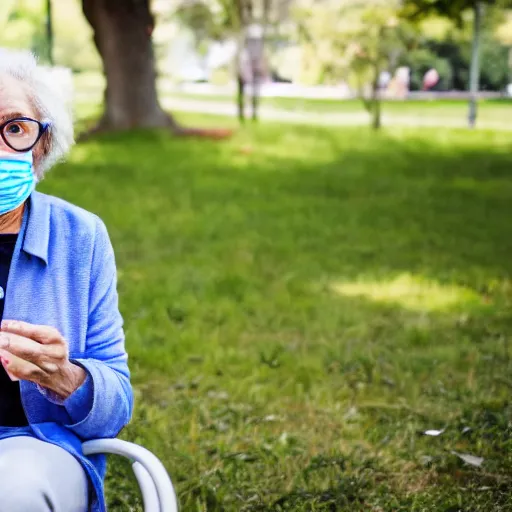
[{"x": 17, "y": 181}]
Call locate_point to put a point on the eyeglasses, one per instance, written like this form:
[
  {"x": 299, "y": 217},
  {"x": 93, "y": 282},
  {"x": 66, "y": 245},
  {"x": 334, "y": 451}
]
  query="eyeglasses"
[{"x": 22, "y": 133}]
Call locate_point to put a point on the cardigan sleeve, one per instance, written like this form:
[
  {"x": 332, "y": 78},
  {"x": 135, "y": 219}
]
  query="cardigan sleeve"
[{"x": 103, "y": 405}]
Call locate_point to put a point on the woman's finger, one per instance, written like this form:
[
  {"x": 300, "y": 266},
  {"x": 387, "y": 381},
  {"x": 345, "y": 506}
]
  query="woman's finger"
[
  {"x": 22, "y": 369},
  {"x": 30, "y": 350},
  {"x": 41, "y": 333},
  {"x": 9, "y": 374}
]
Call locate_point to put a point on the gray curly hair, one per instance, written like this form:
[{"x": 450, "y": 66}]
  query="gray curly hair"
[{"x": 47, "y": 98}]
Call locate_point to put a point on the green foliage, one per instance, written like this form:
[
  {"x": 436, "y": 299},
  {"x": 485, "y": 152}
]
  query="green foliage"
[
  {"x": 302, "y": 303},
  {"x": 73, "y": 41},
  {"x": 452, "y": 9},
  {"x": 209, "y": 19},
  {"x": 452, "y": 61},
  {"x": 493, "y": 68},
  {"x": 455, "y": 48},
  {"x": 73, "y": 46},
  {"x": 504, "y": 29},
  {"x": 5, "y": 13},
  {"x": 348, "y": 38},
  {"x": 352, "y": 41},
  {"x": 422, "y": 59},
  {"x": 23, "y": 26}
]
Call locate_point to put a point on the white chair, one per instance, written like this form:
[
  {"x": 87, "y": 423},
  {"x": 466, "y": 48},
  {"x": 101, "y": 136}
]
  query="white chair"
[{"x": 158, "y": 493}]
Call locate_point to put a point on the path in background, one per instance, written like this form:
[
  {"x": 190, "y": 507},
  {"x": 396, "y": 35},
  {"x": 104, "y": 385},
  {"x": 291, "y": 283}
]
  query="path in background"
[
  {"x": 317, "y": 106},
  {"x": 224, "y": 108},
  {"x": 494, "y": 114}
]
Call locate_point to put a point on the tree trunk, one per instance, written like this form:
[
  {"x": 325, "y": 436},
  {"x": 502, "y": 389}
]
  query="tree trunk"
[
  {"x": 262, "y": 68},
  {"x": 510, "y": 65},
  {"x": 256, "y": 84},
  {"x": 122, "y": 35},
  {"x": 241, "y": 98},
  {"x": 244, "y": 14},
  {"x": 376, "y": 101},
  {"x": 474, "y": 79},
  {"x": 49, "y": 32},
  {"x": 376, "y": 115}
]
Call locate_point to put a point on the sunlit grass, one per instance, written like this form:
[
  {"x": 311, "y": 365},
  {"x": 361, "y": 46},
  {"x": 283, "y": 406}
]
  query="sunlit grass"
[{"x": 411, "y": 292}]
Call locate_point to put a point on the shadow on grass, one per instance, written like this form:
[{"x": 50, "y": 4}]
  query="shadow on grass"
[{"x": 351, "y": 206}]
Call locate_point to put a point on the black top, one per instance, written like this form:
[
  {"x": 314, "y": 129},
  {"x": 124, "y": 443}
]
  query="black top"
[{"x": 11, "y": 410}]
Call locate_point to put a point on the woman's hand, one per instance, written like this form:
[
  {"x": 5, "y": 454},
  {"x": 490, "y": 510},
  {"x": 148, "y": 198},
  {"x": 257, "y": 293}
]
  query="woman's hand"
[{"x": 39, "y": 353}]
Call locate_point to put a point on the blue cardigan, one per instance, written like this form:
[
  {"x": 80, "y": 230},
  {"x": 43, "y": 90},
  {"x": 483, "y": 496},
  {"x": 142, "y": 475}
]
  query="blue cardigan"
[{"x": 63, "y": 274}]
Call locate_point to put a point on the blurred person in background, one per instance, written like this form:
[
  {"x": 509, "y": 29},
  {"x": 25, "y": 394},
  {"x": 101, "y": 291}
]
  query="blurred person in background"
[
  {"x": 431, "y": 79},
  {"x": 64, "y": 376},
  {"x": 251, "y": 70}
]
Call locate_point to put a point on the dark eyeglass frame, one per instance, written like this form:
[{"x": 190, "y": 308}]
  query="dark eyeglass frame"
[{"x": 42, "y": 129}]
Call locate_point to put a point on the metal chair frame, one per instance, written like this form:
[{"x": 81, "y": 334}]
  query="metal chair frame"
[{"x": 158, "y": 494}]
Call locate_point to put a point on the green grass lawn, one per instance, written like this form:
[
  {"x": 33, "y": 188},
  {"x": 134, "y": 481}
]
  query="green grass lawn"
[{"x": 302, "y": 303}]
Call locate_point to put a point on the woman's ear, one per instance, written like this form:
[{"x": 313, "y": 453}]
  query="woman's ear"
[{"x": 40, "y": 151}]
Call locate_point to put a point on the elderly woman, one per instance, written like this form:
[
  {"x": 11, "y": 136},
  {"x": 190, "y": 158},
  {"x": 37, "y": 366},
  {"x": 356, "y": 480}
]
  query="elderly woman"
[{"x": 65, "y": 377}]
